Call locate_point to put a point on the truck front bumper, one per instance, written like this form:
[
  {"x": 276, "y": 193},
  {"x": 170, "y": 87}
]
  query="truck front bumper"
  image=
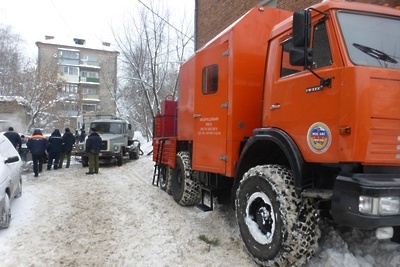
[
  {"x": 366, "y": 201},
  {"x": 102, "y": 154}
]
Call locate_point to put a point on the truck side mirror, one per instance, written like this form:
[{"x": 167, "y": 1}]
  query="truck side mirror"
[
  {"x": 298, "y": 56},
  {"x": 301, "y": 54},
  {"x": 301, "y": 28}
]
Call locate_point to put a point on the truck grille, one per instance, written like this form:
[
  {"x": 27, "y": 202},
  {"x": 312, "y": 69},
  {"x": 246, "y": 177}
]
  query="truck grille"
[
  {"x": 103, "y": 145},
  {"x": 384, "y": 143}
]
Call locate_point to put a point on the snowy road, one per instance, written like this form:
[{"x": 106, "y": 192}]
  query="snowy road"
[{"x": 118, "y": 218}]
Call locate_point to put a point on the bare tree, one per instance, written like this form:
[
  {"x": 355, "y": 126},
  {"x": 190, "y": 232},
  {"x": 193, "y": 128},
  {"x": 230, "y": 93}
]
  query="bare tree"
[
  {"x": 42, "y": 95},
  {"x": 11, "y": 61},
  {"x": 149, "y": 49}
]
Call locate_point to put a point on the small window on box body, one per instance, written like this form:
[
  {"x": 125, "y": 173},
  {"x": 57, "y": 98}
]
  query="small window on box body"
[{"x": 210, "y": 79}]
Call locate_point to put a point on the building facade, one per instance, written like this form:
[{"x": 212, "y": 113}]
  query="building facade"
[
  {"x": 86, "y": 78},
  {"x": 14, "y": 112},
  {"x": 213, "y": 16}
]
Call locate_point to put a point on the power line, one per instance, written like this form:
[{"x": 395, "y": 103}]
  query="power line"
[
  {"x": 59, "y": 14},
  {"x": 172, "y": 26}
]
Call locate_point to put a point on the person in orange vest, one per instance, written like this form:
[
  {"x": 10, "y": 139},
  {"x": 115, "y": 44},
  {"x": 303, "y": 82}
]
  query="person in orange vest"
[{"x": 37, "y": 145}]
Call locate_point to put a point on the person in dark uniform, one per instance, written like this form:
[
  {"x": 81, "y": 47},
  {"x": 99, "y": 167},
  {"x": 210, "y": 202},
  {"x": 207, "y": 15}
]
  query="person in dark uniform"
[
  {"x": 76, "y": 136},
  {"x": 93, "y": 147},
  {"x": 37, "y": 145},
  {"x": 14, "y": 137},
  {"x": 54, "y": 149},
  {"x": 82, "y": 136},
  {"x": 68, "y": 143}
]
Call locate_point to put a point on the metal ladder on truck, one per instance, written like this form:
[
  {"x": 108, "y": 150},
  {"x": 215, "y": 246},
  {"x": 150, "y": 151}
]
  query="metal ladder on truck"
[
  {"x": 207, "y": 190},
  {"x": 158, "y": 166}
]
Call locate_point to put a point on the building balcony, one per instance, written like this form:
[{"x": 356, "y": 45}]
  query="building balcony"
[
  {"x": 89, "y": 80},
  {"x": 69, "y": 78},
  {"x": 91, "y": 98}
]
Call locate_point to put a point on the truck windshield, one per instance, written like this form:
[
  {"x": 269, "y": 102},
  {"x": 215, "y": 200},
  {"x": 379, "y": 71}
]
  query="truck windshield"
[
  {"x": 107, "y": 127},
  {"x": 371, "y": 40}
]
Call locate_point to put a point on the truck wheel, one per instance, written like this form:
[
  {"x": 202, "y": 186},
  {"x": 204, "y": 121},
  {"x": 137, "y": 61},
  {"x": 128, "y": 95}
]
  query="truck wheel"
[
  {"x": 277, "y": 227},
  {"x": 85, "y": 161},
  {"x": 119, "y": 160},
  {"x": 5, "y": 212},
  {"x": 133, "y": 155},
  {"x": 185, "y": 190},
  {"x": 165, "y": 179}
]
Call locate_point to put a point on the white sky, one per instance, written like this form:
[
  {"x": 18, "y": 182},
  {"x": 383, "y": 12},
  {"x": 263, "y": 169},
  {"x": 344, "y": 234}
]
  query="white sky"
[{"x": 86, "y": 19}]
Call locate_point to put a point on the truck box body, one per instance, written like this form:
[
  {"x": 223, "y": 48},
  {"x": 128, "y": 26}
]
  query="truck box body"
[{"x": 218, "y": 121}]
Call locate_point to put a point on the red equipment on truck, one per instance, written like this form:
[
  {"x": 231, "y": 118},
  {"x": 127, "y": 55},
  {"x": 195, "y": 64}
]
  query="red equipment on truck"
[{"x": 296, "y": 117}]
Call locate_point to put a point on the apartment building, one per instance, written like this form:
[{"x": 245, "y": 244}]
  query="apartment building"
[{"x": 86, "y": 75}]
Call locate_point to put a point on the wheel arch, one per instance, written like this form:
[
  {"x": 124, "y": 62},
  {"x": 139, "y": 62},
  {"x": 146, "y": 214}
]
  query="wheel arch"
[
  {"x": 8, "y": 191},
  {"x": 272, "y": 146}
]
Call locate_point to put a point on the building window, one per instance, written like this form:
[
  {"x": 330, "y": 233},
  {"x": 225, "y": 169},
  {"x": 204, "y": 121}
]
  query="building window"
[
  {"x": 89, "y": 58},
  {"x": 67, "y": 54},
  {"x": 90, "y": 74},
  {"x": 210, "y": 79},
  {"x": 70, "y": 88},
  {"x": 89, "y": 91},
  {"x": 73, "y": 107},
  {"x": 67, "y": 57},
  {"x": 70, "y": 106},
  {"x": 70, "y": 70},
  {"x": 88, "y": 108}
]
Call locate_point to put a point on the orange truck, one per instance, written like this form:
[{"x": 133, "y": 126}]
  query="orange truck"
[{"x": 296, "y": 118}]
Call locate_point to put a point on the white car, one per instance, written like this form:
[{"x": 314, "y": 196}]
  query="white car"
[{"x": 10, "y": 179}]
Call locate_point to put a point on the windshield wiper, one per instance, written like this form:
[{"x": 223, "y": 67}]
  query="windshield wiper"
[{"x": 375, "y": 53}]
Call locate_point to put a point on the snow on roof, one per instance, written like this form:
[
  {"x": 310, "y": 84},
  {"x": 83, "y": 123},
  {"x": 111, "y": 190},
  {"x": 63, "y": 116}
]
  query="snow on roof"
[
  {"x": 21, "y": 101},
  {"x": 88, "y": 44}
]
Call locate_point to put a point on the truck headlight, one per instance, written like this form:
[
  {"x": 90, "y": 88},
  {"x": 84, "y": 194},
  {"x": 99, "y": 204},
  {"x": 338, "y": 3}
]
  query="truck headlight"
[
  {"x": 116, "y": 148},
  {"x": 80, "y": 147},
  {"x": 379, "y": 205}
]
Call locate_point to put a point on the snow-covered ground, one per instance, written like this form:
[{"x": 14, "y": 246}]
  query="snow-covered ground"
[{"x": 118, "y": 218}]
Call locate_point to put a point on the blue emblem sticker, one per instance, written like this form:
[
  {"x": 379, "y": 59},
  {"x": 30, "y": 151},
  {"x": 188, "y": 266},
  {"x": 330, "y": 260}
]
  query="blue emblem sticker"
[{"x": 319, "y": 137}]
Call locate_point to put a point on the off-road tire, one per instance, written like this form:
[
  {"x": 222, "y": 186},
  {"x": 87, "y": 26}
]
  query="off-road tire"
[
  {"x": 5, "y": 213},
  {"x": 287, "y": 238},
  {"x": 165, "y": 179},
  {"x": 185, "y": 190},
  {"x": 133, "y": 155},
  {"x": 119, "y": 159}
]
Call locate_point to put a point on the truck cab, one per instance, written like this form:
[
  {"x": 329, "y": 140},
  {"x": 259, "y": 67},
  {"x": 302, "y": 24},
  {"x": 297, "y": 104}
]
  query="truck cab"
[{"x": 117, "y": 140}]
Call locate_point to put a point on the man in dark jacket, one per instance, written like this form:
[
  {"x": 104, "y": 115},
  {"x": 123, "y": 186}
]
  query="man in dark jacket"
[
  {"x": 54, "y": 149},
  {"x": 37, "y": 144},
  {"x": 14, "y": 137},
  {"x": 93, "y": 147},
  {"x": 68, "y": 143},
  {"x": 82, "y": 136}
]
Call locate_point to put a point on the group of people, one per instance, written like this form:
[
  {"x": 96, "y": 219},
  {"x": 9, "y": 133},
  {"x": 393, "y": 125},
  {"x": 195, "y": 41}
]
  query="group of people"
[{"x": 58, "y": 148}]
